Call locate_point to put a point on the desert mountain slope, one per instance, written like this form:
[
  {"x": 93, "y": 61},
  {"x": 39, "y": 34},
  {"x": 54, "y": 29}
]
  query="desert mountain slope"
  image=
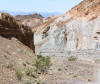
[
  {"x": 15, "y": 57},
  {"x": 30, "y": 20},
  {"x": 76, "y": 30},
  {"x": 87, "y": 8},
  {"x": 9, "y": 28},
  {"x": 23, "y": 17}
]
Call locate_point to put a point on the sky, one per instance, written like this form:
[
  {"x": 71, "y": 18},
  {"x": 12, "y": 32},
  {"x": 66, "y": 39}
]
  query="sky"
[{"x": 61, "y": 6}]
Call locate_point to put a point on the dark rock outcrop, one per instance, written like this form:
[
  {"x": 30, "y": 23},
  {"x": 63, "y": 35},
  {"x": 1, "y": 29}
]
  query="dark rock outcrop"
[{"x": 9, "y": 28}]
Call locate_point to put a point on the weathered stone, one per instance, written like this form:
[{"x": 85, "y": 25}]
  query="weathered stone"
[
  {"x": 9, "y": 28},
  {"x": 76, "y": 30}
]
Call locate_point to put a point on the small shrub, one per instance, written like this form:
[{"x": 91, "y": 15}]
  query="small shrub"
[
  {"x": 72, "y": 58},
  {"x": 59, "y": 69},
  {"x": 97, "y": 60},
  {"x": 27, "y": 53},
  {"x": 42, "y": 64},
  {"x": 27, "y": 62},
  {"x": 18, "y": 74},
  {"x": 29, "y": 72},
  {"x": 28, "y": 82},
  {"x": 39, "y": 56},
  {"x": 30, "y": 54},
  {"x": 24, "y": 64},
  {"x": 41, "y": 81},
  {"x": 8, "y": 52},
  {"x": 10, "y": 66}
]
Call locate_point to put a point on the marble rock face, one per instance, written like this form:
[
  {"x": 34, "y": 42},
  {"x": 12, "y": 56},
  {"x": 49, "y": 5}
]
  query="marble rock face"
[{"x": 68, "y": 33}]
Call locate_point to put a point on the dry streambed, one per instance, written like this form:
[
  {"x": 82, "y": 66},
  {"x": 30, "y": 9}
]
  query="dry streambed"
[{"x": 72, "y": 71}]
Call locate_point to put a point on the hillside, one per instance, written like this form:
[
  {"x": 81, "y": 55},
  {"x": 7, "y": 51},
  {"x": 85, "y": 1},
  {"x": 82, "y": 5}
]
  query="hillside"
[
  {"x": 23, "y": 17},
  {"x": 9, "y": 27},
  {"x": 89, "y": 9},
  {"x": 16, "y": 50},
  {"x": 30, "y": 20},
  {"x": 15, "y": 57}
]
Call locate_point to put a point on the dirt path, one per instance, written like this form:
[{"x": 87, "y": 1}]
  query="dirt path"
[{"x": 63, "y": 71}]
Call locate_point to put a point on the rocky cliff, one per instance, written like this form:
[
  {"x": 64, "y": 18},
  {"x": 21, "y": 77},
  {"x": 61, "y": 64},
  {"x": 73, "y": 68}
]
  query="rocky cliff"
[
  {"x": 9, "y": 28},
  {"x": 78, "y": 29}
]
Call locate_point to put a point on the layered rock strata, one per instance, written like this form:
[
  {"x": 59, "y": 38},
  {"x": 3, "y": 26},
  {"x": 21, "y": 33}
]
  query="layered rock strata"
[
  {"x": 77, "y": 30},
  {"x": 9, "y": 28}
]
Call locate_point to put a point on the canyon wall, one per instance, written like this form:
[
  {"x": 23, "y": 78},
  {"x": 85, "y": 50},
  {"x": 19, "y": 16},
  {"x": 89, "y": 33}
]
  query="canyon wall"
[
  {"x": 78, "y": 29},
  {"x": 10, "y": 28}
]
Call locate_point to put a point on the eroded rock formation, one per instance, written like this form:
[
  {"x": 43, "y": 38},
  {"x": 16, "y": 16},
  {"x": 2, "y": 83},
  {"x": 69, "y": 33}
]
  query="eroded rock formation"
[
  {"x": 9, "y": 28},
  {"x": 78, "y": 29}
]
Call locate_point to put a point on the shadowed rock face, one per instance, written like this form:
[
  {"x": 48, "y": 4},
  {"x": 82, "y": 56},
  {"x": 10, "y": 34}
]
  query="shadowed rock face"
[
  {"x": 9, "y": 28},
  {"x": 76, "y": 30}
]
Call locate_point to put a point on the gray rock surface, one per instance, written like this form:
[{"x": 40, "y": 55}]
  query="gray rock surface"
[{"x": 69, "y": 32}]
